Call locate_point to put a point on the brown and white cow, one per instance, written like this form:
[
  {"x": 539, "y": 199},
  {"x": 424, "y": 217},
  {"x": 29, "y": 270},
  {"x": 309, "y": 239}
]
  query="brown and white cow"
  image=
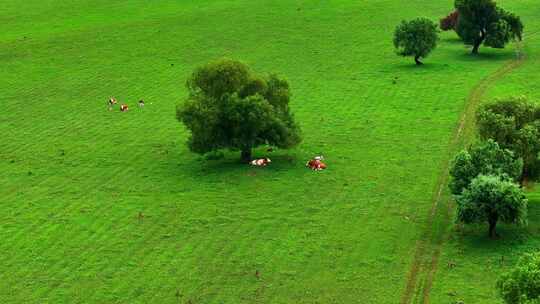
[
  {"x": 316, "y": 164},
  {"x": 261, "y": 162},
  {"x": 124, "y": 107}
]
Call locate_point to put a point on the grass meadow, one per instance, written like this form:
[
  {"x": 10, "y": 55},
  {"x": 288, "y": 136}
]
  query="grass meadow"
[{"x": 111, "y": 207}]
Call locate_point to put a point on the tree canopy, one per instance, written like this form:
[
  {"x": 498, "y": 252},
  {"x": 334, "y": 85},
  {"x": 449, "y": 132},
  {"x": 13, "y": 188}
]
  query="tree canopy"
[
  {"x": 449, "y": 22},
  {"x": 416, "y": 38},
  {"x": 492, "y": 198},
  {"x": 514, "y": 123},
  {"x": 230, "y": 107},
  {"x": 483, "y": 158},
  {"x": 521, "y": 284},
  {"x": 482, "y": 22}
]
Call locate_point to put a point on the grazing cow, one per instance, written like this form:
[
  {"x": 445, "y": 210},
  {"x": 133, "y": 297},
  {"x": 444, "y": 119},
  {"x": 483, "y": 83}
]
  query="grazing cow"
[
  {"x": 316, "y": 164},
  {"x": 141, "y": 103},
  {"x": 261, "y": 162},
  {"x": 124, "y": 107}
]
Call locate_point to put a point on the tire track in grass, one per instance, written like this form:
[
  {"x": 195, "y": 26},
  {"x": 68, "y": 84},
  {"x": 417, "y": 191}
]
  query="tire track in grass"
[{"x": 429, "y": 246}]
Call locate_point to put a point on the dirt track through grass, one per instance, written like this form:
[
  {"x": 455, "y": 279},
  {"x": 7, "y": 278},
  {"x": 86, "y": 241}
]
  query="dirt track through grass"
[{"x": 428, "y": 248}]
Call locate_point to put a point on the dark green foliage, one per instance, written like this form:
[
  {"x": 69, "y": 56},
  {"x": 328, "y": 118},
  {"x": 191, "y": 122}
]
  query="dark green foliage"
[
  {"x": 482, "y": 22},
  {"x": 521, "y": 284},
  {"x": 485, "y": 158},
  {"x": 514, "y": 123},
  {"x": 229, "y": 107},
  {"x": 514, "y": 22},
  {"x": 416, "y": 38},
  {"x": 492, "y": 199}
]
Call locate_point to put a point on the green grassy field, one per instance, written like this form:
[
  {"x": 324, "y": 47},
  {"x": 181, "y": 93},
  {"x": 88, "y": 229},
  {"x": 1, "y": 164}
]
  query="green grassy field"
[
  {"x": 75, "y": 177},
  {"x": 478, "y": 260}
]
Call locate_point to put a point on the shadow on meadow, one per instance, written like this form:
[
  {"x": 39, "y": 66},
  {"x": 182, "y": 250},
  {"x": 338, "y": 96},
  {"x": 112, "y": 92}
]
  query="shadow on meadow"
[
  {"x": 452, "y": 40},
  {"x": 427, "y": 67},
  {"x": 229, "y": 164},
  {"x": 474, "y": 239},
  {"x": 486, "y": 55}
]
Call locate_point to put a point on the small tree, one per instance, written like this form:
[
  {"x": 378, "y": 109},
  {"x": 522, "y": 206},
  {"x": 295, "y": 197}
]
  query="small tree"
[
  {"x": 449, "y": 23},
  {"x": 522, "y": 283},
  {"x": 229, "y": 107},
  {"x": 514, "y": 123},
  {"x": 482, "y": 22},
  {"x": 492, "y": 198},
  {"x": 486, "y": 158},
  {"x": 416, "y": 38}
]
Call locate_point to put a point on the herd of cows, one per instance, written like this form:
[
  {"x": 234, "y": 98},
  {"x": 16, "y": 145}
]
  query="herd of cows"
[
  {"x": 123, "y": 107},
  {"x": 315, "y": 164}
]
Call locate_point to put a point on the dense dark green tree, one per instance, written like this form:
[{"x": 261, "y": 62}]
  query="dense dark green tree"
[
  {"x": 416, "y": 38},
  {"x": 230, "y": 107},
  {"x": 514, "y": 123},
  {"x": 482, "y": 22},
  {"x": 521, "y": 284},
  {"x": 492, "y": 199},
  {"x": 483, "y": 158}
]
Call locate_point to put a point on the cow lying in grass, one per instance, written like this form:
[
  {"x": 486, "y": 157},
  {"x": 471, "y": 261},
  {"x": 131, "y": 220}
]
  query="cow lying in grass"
[
  {"x": 261, "y": 162},
  {"x": 112, "y": 101},
  {"x": 316, "y": 164},
  {"x": 124, "y": 107}
]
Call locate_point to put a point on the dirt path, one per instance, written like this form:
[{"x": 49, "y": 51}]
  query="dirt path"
[{"x": 428, "y": 247}]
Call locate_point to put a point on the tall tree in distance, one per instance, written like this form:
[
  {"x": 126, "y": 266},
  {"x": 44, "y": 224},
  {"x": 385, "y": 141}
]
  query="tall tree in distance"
[
  {"x": 416, "y": 38},
  {"x": 482, "y": 22},
  {"x": 230, "y": 107}
]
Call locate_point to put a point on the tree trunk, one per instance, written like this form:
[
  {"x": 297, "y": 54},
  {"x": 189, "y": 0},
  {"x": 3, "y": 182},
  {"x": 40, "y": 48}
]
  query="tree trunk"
[
  {"x": 245, "y": 155},
  {"x": 492, "y": 224},
  {"x": 475, "y": 48},
  {"x": 478, "y": 42},
  {"x": 524, "y": 175},
  {"x": 417, "y": 60}
]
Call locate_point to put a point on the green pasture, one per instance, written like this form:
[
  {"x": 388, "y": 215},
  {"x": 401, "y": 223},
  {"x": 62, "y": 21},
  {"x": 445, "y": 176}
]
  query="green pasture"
[
  {"x": 478, "y": 260},
  {"x": 111, "y": 207}
]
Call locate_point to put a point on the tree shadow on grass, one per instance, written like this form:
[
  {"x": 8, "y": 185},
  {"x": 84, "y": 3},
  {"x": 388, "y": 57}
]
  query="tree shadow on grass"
[
  {"x": 452, "y": 40},
  {"x": 475, "y": 238},
  {"x": 230, "y": 164},
  {"x": 427, "y": 67},
  {"x": 487, "y": 55}
]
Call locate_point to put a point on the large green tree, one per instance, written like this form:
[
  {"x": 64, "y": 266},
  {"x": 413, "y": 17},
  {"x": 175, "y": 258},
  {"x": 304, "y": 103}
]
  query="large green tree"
[
  {"x": 492, "y": 199},
  {"x": 482, "y": 22},
  {"x": 230, "y": 107},
  {"x": 416, "y": 38},
  {"x": 483, "y": 158},
  {"x": 514, "y": 123},
  {"x": 521, "y": 284}
]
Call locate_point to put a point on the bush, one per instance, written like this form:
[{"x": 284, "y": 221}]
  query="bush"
[{"x": 522, "y": 283}]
